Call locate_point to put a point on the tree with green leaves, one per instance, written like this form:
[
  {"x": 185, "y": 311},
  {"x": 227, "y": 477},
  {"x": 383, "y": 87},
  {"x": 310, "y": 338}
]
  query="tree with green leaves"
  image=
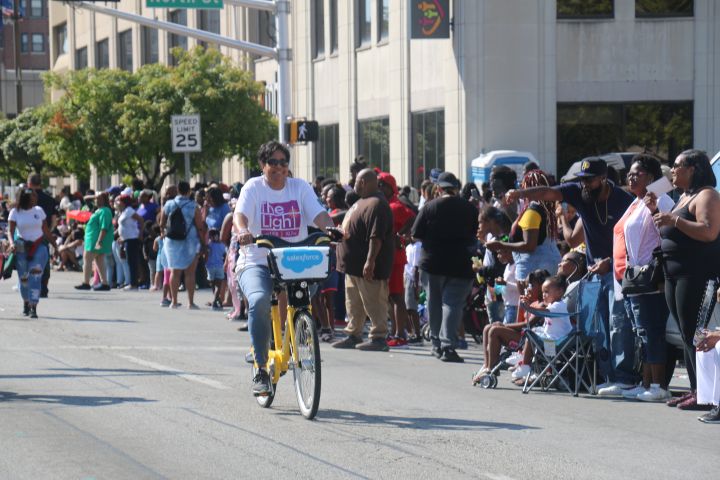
[
  {"x": 120, "y": 122},
  {"x": 20, "y": 141}
]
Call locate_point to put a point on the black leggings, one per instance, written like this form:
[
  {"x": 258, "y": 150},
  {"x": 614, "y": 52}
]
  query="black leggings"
[
  {"x": 132, "y": 250},
  {"x": 684, "y": 296}
]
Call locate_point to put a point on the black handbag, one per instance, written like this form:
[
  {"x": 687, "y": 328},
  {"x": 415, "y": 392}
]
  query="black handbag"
[
  {"x": 644, "y": 278},
  {"x": 8, "y": 265}
]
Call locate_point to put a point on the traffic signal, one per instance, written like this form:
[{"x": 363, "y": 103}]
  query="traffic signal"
[{"x": 302, "y": 131}]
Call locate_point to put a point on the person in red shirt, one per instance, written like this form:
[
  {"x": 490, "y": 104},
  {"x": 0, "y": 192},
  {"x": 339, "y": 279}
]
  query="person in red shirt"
[{"x": 403, "y": 219}]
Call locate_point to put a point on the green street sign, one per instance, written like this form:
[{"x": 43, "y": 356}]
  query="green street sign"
[{"x": 202, "y": 4}]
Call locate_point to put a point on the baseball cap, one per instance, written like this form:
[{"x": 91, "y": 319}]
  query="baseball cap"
[
  {"x": 435, "y": 174},
  {"x": 447, "y": 180},
  {"x": 592, "y": 167}
]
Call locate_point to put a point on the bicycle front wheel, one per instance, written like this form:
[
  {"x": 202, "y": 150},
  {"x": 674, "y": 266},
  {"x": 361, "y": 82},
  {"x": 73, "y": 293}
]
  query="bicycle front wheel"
[{"x": 306, "y": 371}]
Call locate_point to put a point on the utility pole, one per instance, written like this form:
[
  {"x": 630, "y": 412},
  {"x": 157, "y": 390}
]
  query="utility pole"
[{"x": 16, "y": 56}]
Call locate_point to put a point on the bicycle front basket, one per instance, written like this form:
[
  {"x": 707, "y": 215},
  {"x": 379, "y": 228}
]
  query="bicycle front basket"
[{"x": 300, "y": 263}]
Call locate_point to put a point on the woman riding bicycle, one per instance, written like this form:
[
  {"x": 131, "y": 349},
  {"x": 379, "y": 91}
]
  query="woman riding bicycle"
[{"x": 272, "y": 204}]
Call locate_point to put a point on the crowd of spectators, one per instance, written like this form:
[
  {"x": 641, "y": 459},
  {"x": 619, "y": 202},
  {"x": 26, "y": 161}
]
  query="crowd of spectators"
[{"x": 411, "y": 257}]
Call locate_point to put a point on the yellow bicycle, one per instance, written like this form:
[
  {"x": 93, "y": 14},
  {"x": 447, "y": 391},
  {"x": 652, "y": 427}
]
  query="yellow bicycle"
[{"x": 294, "y": 267}]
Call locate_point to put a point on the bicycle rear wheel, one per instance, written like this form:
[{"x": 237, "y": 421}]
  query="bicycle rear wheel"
[{"x": 306, "y": 372}]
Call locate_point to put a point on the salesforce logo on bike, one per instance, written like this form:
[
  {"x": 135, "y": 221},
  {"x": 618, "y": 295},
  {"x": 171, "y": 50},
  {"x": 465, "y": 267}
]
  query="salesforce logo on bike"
[{"x": 310, "y": 262}]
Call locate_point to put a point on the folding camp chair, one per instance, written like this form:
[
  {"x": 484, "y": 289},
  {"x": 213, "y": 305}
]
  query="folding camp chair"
[{"x": 571, "y": 354}]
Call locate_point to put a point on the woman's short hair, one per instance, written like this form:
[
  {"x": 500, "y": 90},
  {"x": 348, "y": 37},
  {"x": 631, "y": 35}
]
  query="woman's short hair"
[
  {"x": 25, "y": 199},
  {"x": 649, "y": 163},
  {"x": 267, "y": 149},
  {"x": 703, "y": 175},
  {"x": 216, "y": 196}
]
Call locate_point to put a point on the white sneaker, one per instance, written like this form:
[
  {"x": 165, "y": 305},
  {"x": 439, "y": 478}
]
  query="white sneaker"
[
  {"x": 654, "y": 394},
  {"x": 632, "y": 393},
  {"x": 514, "y": 359},
  {"x": 613, "y": 390},
  {"x": 604, "y": 385},
  {"x": 521, "y": 371}
]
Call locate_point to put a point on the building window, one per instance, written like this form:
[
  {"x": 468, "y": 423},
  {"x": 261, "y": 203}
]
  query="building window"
[
  {"x": 664, "y": 8},
  {"x": 266, "y": 29},
  {"x": 81, "y": 58},
  {"x": 24, "y": 43},
  {"x": 374, "y": 142},
  {"x": 663, "y": 128},
  {"x": 125, "y": 54},
  {"x": 364, "y": 22},
  {"x": 61, "y": 39},
  {"x": 181, "y": 41},
  {"x": 209, "y": 21},
  {"x": 585, "y": 8},
  {"x": 150, "y": 48},
  {"x": 428, "y": 144},
  {"x": 333, "y": 26},
  {"x": 383, "y": 19},
  {"x": 102, "y": 54},
  {"x": 327, "y": 152},
  {"x": 36, "y": 8},
  {"x": 38, "y": 43},
  {"x": 318, "y": 28}
]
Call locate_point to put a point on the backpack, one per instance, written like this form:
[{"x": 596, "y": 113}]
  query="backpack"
[{"x": 176, "y": 227}]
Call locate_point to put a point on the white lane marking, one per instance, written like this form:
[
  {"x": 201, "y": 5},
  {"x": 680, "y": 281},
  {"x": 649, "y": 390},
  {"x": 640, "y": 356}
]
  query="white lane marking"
[
  {"x": 495, "y": 476},
  {"x": 187, "y": 376}
]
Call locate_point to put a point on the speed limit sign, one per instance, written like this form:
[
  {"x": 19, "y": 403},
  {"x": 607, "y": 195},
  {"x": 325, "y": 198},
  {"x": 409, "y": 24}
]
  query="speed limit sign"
[{"x": 186, "y": 134}]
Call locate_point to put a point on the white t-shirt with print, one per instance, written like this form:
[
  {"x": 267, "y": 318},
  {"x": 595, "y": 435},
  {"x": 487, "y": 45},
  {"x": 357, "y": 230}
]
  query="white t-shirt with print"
[
  {"x": 412, "y": 253},
  {"x": 29, "y": 222},
  {"x": 127, "y": 225},
  {"x": 557, "y": 327},
  {"x": 283, "y": 213}
]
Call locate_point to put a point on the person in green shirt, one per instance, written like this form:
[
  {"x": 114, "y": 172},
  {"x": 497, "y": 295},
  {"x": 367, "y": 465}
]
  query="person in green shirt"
[{"x": 98, "y": 243}]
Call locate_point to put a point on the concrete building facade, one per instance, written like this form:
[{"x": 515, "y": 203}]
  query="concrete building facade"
[{"x": 507, "y": 78}]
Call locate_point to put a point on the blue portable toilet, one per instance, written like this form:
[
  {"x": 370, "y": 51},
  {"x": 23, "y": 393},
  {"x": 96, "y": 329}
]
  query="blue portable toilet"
[
  {"x": 715, "y": 164},
  {"x": 481, "y": 167}
]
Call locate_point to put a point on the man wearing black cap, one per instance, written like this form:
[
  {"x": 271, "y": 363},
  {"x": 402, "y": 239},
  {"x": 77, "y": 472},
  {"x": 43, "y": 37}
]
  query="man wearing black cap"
[
  {"x": 600, "y": 204},
  {"x": 446, "y": 226}
]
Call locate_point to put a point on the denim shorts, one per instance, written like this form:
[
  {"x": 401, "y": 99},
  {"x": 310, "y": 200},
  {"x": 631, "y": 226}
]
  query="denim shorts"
[
  {"x": 215, "y": 273},
  {"x": 545, "y": 257},
  {"x": 649, "y": 314}
]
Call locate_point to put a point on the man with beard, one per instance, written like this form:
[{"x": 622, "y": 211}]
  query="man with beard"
[{"x": 600, "y": 204}]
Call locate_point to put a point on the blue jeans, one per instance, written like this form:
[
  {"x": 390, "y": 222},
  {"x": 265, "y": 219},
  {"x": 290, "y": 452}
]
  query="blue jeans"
[
  {"x": 257, "y": 285},
  {"x": 30, "y": 273},
  {"x": 616, "y": 347},
  {"x": 510, "y": 314},
  {"x": 446, "y": 297},
  {"x": 122, "y": 267},
  {"x": 649, "y": 315}
]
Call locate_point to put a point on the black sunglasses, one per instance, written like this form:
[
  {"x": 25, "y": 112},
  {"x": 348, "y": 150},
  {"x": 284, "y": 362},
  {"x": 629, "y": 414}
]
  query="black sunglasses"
[{"x": 274, "y": 162}]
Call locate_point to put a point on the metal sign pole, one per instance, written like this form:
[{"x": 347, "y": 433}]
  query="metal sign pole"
[
  {"x": 283, "y": 57},
  {"x": 187, "y": 167}
]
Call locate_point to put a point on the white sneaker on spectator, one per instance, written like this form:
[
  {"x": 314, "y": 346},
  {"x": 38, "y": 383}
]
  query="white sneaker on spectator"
[
  {"x": 654, "y": 394},
  {"x": 605, "y": 385},
  {"x": 613, "y": 389},
  {"x": 521, "y": 371},
  {"x": 632, "y": 393}
]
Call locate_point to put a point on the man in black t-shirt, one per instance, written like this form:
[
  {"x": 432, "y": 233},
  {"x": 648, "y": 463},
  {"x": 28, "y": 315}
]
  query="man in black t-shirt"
[
  {"x": 447, "y": 226},
  {"x": 365, "y": 256},
  {"x": 600, "y": 204},
  {"x": 50, "y": 207}
]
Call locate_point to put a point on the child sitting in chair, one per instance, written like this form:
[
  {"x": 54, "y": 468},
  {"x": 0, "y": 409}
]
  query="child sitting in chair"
[{"x": 553, "y": 328}]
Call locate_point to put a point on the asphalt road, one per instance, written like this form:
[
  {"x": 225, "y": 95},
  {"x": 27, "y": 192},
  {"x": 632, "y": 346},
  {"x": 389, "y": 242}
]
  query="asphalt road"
[{"x": 108, "y": 385}]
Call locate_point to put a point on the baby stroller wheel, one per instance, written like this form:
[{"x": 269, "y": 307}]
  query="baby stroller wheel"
[
  {"x": 488, "y": 381},
  {"x": 425, "y": 332}
]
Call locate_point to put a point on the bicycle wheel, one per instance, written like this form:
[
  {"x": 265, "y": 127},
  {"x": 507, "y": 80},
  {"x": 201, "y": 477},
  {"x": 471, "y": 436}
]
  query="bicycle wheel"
[{"x": 306, "y": 372}]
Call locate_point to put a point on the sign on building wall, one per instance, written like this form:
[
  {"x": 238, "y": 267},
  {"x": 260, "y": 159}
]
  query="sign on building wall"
[
  {"x": 203, "y": 4},
  {"x": 430, "y": 19}
]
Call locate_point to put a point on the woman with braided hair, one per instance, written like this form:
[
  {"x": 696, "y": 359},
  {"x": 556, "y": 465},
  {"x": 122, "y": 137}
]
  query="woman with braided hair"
[{"x": 533, "y": 235}]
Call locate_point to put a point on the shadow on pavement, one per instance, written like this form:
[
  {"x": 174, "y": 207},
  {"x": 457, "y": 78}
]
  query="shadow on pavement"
[
  {"x": 103, "y": 320},
  {"x": 88, "y": 373},
  {"x": 414, "y": 423},
  {"x": 78, "y": 401}
]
